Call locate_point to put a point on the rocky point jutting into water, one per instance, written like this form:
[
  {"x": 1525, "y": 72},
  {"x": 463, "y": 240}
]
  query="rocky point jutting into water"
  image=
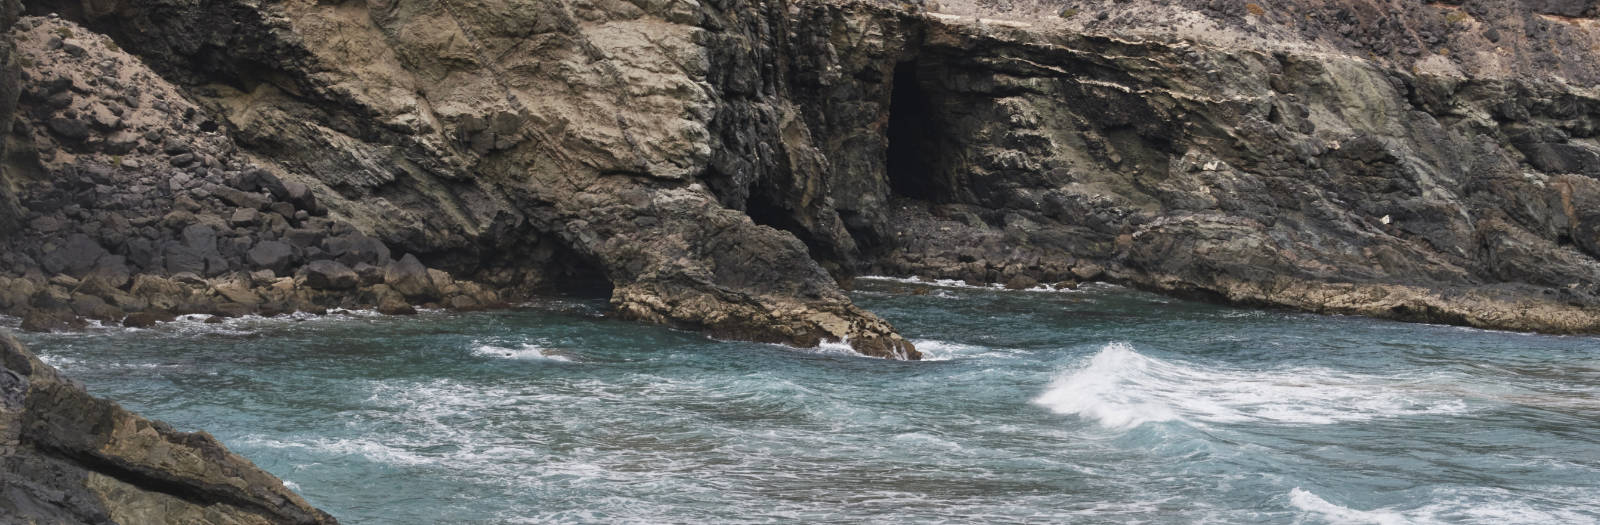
[
  {"x": 69, "y": 457},
  {"x": 721, "y": 165}
]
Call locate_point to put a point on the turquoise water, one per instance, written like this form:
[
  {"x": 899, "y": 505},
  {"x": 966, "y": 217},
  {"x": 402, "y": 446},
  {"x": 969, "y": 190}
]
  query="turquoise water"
[{"x": 1101, "y": 405}]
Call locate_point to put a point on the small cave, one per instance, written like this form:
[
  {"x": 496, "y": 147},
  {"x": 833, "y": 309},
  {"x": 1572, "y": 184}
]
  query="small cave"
[
  {"x": 765, "y": 210},
  {"x": 913, "y": 139},
  {"x": 523, "y": 263}
]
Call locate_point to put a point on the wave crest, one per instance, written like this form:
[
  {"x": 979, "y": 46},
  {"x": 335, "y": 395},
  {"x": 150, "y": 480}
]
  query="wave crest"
[{"x": 1120, "y": 388}]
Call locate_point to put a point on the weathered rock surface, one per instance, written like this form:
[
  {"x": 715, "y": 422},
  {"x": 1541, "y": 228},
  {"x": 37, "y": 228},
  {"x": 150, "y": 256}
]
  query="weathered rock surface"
[{"x": 69, "y": 457}]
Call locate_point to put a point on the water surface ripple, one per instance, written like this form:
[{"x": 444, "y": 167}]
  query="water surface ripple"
[{"x": 1101, "y": 405}]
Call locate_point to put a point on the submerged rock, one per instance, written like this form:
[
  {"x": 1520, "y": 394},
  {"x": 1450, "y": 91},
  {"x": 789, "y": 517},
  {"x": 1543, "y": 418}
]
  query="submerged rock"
[{"x": 69, "y": 457}]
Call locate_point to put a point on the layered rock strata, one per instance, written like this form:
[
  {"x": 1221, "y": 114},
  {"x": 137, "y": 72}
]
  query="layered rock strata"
[{"x": 69, "y": 457}]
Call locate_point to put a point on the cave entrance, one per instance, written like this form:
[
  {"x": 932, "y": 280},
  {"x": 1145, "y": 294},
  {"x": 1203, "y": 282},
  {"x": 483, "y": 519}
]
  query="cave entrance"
[{"x": 912, "y": 138}]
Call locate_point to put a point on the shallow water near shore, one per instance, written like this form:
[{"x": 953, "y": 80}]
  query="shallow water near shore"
[{"x": 1096, "y": 405}]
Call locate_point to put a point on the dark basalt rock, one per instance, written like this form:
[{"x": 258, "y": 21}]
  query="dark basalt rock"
[
  {"x": 271, "y": 255},
  {"x": 331, "y": 275}
]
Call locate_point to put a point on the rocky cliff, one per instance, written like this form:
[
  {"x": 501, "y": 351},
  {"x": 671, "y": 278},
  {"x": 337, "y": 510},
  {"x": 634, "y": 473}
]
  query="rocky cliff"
[
  {"x": 69, "y": 457},
  {"x": 722, "y": 165}
]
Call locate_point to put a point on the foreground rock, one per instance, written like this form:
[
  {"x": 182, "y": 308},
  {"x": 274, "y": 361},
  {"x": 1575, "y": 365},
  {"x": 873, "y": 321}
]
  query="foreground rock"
[{"x": 69, "y": 457}]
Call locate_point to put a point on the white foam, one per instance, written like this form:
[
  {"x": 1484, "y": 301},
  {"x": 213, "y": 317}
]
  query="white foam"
[
  {"x": 1121, "y": 388},
  {"x": 59, "y": 361},
  {"x": 935, "y": 350},
  {"x": 1470, "y": 505},
  {"x": 957, "y": 283},
  {"x": 372, "y": 450},
  {"x": 1338, "y": 515},
  {"x": 524, "y": 351},
  {"x": 841, "y": 347}
]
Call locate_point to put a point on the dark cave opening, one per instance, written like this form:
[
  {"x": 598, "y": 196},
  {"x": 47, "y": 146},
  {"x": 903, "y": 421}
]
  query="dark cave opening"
[{"x": 912, "y": 138}]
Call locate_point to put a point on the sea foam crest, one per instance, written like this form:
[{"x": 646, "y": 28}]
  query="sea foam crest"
[
  {"x": 1120, "y": 388},
  {"x": 1466, "y": 505},
  {"x": 520, "y": 351},
  {"x": 1313, "y": 504}
]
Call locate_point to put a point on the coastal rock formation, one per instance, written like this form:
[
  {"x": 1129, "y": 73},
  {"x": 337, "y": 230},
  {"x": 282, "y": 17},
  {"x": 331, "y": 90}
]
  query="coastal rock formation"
[
  {"x": 720, "y": 166},
  {"x": 69, "y": 457}
]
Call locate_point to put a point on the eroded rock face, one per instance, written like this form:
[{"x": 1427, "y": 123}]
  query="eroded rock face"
[
  {"x": 519, "y": 145},
  {"x": 69, "y": 457},
  {"x": 1272, "y": 175}
]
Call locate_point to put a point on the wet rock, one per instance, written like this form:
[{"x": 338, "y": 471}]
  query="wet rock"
[
  {"x": 1021, "y": 282},
  {"x": 91, "y": 307},
  {"x": 51, "y": 320},
  {"x": 148, "y": 318},
  {"x": 394, "y": 305}
]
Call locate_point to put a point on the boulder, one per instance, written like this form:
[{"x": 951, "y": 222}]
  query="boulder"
[
  {"x": 331, "y": 275},
  {"x": 1021, "y": 282},
  {"x": 411, "y": 279},
  {"x": 271, "y": 255},
  {"x": 394, "y": 305},
  {"x": 72, "y": 130},
  {"x": 369, "y": 274},
  {"x": 51, "y": 320},
  {"x": 244, "y": 217},
  {"x": 148, "y": 318},
  {"x": 355, "y": 248},
  {"x": 74, "y": 257}
]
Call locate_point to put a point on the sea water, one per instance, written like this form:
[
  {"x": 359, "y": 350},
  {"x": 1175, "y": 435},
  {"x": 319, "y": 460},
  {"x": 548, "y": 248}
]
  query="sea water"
[{"x": 1099, "y": 405}]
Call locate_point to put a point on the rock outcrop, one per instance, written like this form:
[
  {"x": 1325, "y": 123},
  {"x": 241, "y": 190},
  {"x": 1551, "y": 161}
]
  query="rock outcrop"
[
  {"x": 720, "y": 165},
  {"x": 69, "y": 457}
]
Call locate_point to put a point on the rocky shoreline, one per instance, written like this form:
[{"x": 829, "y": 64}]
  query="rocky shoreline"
[
  {"x": 724, "y": 166},
  {"x": 235, "y": 159}
]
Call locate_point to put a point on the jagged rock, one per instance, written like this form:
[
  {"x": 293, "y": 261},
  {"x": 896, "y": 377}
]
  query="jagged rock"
[{"x": 69, "y": 457}]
